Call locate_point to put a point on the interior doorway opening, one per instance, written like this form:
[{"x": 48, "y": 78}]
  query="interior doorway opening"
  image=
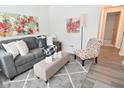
[
  {"x": 111, "y": 28},
  {"x": 117, "y": 28}
]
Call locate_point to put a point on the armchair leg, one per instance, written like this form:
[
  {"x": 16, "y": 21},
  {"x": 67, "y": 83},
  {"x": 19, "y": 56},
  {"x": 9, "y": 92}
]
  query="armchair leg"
[
  {"x": 96, "y": 60},
  {"x": 46, "y": 81},
  {"x": 83, "y": 62}
]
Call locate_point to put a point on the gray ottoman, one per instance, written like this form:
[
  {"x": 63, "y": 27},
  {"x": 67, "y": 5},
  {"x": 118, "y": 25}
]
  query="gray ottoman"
[{"x": 45, "y": 70}]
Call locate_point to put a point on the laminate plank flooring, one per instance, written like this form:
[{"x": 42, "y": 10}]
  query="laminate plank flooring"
[{"x": 109, "y": 69}]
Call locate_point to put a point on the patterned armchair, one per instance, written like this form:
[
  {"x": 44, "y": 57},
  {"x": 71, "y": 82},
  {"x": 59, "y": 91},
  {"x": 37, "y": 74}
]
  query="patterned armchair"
[{"x": 92, "y": 50}]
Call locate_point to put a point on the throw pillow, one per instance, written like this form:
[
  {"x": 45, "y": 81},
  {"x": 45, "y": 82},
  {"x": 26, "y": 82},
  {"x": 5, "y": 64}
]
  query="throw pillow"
[
  {"x": 22, "y": 47},
  {"x": 11, "y": 48},
  {"x": 49, "y": 40},
  {"x": 42, "y": 41}
]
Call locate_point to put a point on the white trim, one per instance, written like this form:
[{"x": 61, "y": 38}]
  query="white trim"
[
  {"x": 26, "y": 79},
  {"x": 69, "y": 77},
  {"x": 121, "y": 54}
]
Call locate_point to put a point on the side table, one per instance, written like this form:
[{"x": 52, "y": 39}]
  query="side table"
[{"x": 58, "y": 44}]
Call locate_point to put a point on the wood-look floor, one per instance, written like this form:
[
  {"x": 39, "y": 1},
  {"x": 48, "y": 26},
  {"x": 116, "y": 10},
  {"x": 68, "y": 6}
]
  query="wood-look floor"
[{"x": 109, "y": 68}]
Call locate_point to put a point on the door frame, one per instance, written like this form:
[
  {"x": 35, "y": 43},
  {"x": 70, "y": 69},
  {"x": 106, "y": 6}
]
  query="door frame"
[
  {"x": 104, "y": 11},
  {"x": 115, "y": 29}
]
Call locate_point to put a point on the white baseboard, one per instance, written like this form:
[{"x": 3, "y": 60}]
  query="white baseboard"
[
  {"x": 107, "y": 43},
  {"x": 123, "y": 62},
  {"x": 121, "y": 54}
]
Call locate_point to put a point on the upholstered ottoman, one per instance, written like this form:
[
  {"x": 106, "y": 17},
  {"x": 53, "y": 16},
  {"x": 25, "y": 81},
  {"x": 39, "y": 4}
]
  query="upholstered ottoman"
[{"x": 45, "y": 71}]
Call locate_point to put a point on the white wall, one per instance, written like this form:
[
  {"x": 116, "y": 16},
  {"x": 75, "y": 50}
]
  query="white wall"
[
  {"x": 41, "y": 11},
  {"x": 53, "y": 21},
  {"x": 59, "y": 15}
]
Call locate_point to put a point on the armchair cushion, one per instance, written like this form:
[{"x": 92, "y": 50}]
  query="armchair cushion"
[
  {"x": 94, "y": 46},
  {"x": 85, "y": 54},
  {"x": 91, "y": 51}
]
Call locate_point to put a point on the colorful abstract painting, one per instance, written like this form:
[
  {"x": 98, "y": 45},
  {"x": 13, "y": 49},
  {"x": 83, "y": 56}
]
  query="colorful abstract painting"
[
  {"x": 73, "y": 25},
  {"x": 14, "y": 24}
]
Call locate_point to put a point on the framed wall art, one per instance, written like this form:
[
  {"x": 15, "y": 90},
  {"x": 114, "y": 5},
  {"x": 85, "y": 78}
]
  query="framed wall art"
[
  {"x": 15, "y": 24},
  {"x": 73, "y": 25}
]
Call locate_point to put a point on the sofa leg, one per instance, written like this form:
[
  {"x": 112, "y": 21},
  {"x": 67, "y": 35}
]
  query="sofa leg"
[
  {"x": 74, "y": 56},
  {"x": 96, "y": 60},
  {"x": 12, "y": 78},
  {"x": 83, "y": 62},
  {"x": 38, "y": 77}
]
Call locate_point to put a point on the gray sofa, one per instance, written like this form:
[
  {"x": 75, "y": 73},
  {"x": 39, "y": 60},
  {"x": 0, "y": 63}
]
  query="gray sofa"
[{"x": 12, "y": 67}]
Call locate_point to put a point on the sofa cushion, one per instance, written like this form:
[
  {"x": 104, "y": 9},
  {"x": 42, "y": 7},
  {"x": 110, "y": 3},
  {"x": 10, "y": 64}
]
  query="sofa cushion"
[
  {"x": 31, "y": 42},
  {"x": 21, "y": 60},
  {"x": 37, "y": 52}
]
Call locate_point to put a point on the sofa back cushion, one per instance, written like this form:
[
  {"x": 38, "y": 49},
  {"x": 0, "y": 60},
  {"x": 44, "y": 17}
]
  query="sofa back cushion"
[{"x": 31, "y": 42}]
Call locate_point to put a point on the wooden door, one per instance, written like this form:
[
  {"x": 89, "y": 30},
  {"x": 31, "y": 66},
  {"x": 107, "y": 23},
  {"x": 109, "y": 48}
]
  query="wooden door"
[{"x": 115, "y": 29}]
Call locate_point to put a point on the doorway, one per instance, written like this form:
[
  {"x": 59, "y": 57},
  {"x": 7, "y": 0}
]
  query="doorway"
[{"x": 111, "y": 28}]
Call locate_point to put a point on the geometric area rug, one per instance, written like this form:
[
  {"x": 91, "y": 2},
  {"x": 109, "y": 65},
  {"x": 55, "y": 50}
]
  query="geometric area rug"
[{"x": 72, "y": 75}]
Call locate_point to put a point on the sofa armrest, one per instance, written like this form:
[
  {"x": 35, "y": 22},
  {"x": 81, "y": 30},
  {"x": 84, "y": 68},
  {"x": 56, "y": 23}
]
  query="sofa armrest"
[{"x": 7, "y": 64}]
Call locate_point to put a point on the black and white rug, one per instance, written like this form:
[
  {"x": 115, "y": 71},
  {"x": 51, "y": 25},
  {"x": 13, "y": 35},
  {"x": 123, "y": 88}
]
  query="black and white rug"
[{"x": 72, "y": 75}]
